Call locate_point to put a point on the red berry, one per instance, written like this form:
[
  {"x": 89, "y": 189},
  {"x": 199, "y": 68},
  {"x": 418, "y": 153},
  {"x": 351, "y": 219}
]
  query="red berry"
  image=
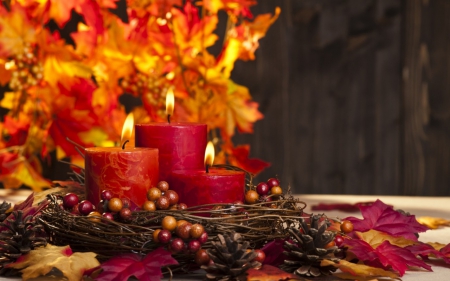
[
  {"x": 273, "y": 182},
  {"x": 125, "y": 213},
  {"x": 70, "y": 200},
  {"x": 177, "y": 245},
  {"x": 106, "y": 194},
  {"x": 182, "y": 206},
  {"x": 164, "y": 236},
  {"x": 338, "y": 240},
  {"x": 194, "y": 246},
  {"x": 163, "y": 186},
  {"x": 262, "y": 188},
  {"x": 260, "y": 256},
  {"x": 85, "y": 207},
  {"x": 183, "y": 231},
  {"x": 173, "y": 196},
  {"x": 202, "y": 257},
  {"x": 203, "y": 238},
  {"x": 162, "y": 203},
  {"x": 108, "y": 215}
]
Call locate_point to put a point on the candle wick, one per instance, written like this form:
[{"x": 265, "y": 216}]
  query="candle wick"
[
  {"x": 207, "y": 168},
  {"x": 168, "y": 118},
  {"x": 124, "y": 143}
]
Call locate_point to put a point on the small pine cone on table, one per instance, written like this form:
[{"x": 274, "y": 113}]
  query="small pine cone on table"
[
  {"x": 309, "y": 248},
  {"x": 231, "y": 258}
]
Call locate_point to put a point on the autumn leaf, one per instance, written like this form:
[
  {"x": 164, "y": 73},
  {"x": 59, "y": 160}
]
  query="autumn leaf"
[
  {"x": 145, "y": 268},
  {"x": 274, "y": 252},
  {"x": 240, "y": 156},
  {"x": 425, "y": 250},
  {"x": 385, "y": 255},
  {"x": 382, "y": 217},
  {"x": 270, "y": 273},
  {"x": 432, "y": 222},
  {"x": 358, "y": 270},
  {"x": 234, "y": 7},
  {"x": 41, "y": 261},
  {"x": 15, "y": 30},
  {"x": 376, "y": 238}
]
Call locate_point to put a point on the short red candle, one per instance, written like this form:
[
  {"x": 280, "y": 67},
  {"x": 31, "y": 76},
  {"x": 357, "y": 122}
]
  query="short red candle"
[
  {"x": 127, "y": 173},
  {"x": 181, "y": 145},
  {"x": 218, "y": 186}
]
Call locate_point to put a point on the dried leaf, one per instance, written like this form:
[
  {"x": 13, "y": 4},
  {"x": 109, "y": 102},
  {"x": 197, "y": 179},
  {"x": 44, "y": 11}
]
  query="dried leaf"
[
  {"x": 270, "y": 273},
  {"x": 344, "y": 207},
  {"x": 382, "y": 217},
  {"x": 145, "y": 268},
  {"x": 432, "y": 222},
  {"x": 375, "y": 238},
  {"x": 41, "y": 261},
  {"x": 359, "y": 270}
]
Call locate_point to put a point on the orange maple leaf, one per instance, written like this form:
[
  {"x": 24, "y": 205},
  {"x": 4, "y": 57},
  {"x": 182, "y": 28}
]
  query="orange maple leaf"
[{"x": 233, "y": 7}]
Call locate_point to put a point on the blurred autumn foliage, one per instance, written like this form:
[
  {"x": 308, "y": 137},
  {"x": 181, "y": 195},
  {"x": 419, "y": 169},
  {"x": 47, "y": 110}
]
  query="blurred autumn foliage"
[{"x": 58, "y": 89}]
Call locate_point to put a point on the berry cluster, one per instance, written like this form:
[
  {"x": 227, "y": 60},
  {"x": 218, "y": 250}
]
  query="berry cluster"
[
  {"x": 264, "y": 192},
  {"x": 27, "y": 70},
  {"x": 162, "y": 198},
  {"x": 346, "y": 227},
  {"x": 181, "y": 235}
]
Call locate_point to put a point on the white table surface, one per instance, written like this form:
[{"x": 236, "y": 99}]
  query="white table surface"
[{"x": 419, "y": 206}]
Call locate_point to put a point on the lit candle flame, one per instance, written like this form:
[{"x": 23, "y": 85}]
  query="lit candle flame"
[
  {"x": 170, "y": 102},
  {"x": 127, "y": 129},
  {"x": 209, "y": 155}
]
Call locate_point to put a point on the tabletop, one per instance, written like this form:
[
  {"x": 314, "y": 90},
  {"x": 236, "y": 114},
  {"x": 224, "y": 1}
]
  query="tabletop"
[{"x": 419, "y": 206}]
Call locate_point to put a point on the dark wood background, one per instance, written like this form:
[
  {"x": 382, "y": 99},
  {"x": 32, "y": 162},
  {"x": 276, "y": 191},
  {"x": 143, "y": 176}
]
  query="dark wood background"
[{"x": 356, "y": 96}]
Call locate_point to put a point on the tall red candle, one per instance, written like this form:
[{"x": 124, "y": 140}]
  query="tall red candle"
[
  {"x": 181, "y": 145},
  {"x": 127, "y": 173},
  {"x": 217, "y": 186}
]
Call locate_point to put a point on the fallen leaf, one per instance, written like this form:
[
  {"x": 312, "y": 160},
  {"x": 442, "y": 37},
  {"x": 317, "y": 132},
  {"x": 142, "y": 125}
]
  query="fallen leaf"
[
  {"x": 382, "y": 217},
  {"x": 385, "y": 255},
  {"x": 41, "y": 261},
  {"x": 375, "y": 238},
  {"x": 432, "y": 222},
  {"x": 359, "y": 270},
  {"x": 274, "y": 252},
  {"x": 270, "y": 273},
  {"x": 145, "y": 268},
  {"x": 344, "y": 207}
]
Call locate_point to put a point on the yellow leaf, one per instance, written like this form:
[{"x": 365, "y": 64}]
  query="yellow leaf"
[
  {"x": 433, "y": 222},
  {"x": 41, "y": 261},
  {"x": 437, "y": 246},
  {"x": 375, "y": 238},
  {"x": 8, "y": 100},
  {"x": 55, "y": 67},
  {"x": 97, "y": 136},
  {"x": 15, "y": 31},
  {"x": 22, "y": 172},
  {"x": 359, "y": 270}
]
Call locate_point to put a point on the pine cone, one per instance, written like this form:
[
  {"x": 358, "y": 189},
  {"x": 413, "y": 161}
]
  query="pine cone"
[
  {"x": 230, "y": 257},
  {"x": 305, "y": 255},
  {"x": 4, "y": 207},
  {"x": 18, "y": 238}
]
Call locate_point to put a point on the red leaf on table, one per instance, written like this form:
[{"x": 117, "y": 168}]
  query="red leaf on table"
[
  {"x": 144, "y": 268},
  {"x": 382, "y": 217},
  {"x": 385, "y": 255},
  {"x": 425, "y": 250},
  {"x": 274, "y": 252},
  {"x": 345, "y": 207},
  {"x": 270, "y": 273}
]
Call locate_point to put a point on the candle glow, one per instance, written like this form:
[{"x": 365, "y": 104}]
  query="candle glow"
[
  {"x": 127, "y": 129},
  {"x": 170, "y": 102},
  {"x": 209, "y": 155}
]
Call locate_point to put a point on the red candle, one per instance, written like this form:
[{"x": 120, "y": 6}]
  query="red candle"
[
  {"x": 208, "y": 186},
  {"x": 127, "y": 173},
  {"x": 181, "y": 145},
  {"x": 217, "y": 186}
]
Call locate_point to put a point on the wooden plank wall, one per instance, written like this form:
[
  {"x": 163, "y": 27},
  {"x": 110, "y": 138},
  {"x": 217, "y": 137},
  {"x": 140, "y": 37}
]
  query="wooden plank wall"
[{"x": 356, "y": 96}]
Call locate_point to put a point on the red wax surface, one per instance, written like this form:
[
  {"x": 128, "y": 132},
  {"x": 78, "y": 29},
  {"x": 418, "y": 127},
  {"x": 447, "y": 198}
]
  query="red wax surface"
[
  {"x": 128, "y": 172},
  {"x": 181, "y": 145},
  {"x": 218, "y": 186}
]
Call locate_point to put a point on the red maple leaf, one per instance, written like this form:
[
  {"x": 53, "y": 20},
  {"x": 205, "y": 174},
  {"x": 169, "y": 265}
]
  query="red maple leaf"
[
  {"x": 385, "y": 255},
  {"x": 382, "y": 217},
  {"x": 274, "y": 252},
  {"x": 144, "y": 268},
  {"x": 240, "y": 158},
  {"x": 425, "y": 250}
]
